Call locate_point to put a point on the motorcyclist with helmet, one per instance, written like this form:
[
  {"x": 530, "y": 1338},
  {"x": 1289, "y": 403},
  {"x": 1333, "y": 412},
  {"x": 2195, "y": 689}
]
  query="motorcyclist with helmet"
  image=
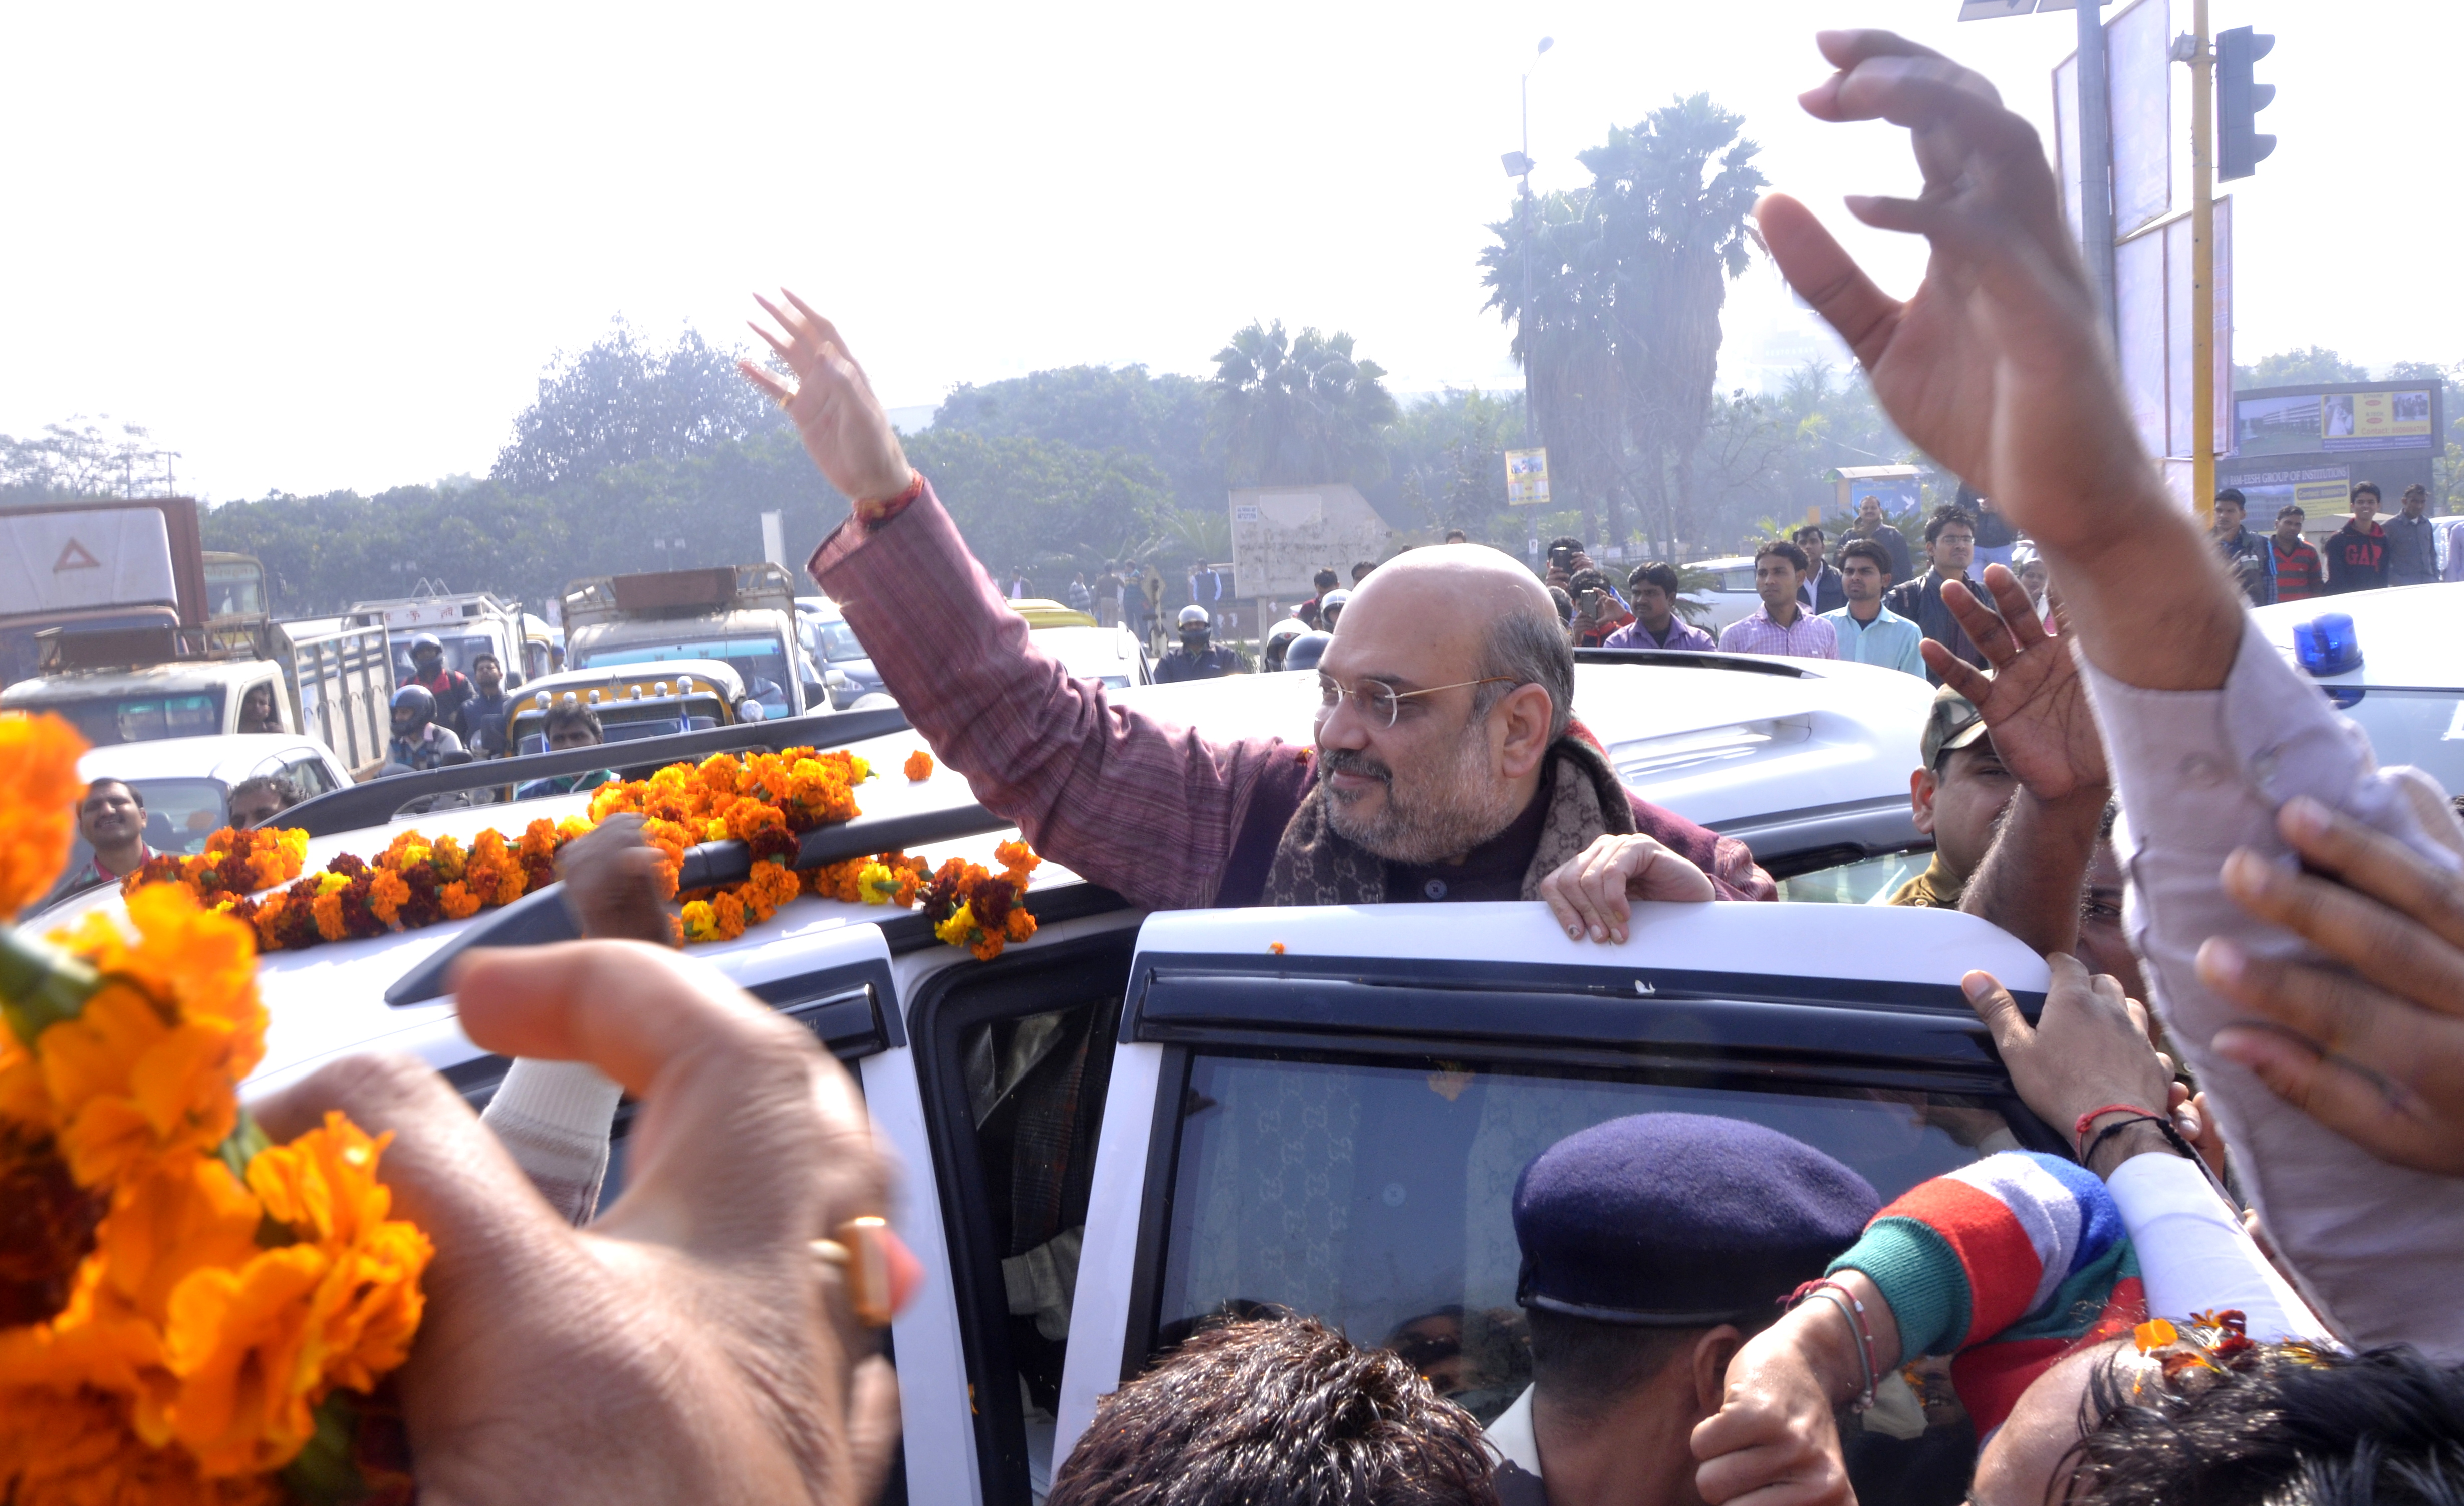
[
  {"x": 420, "y": 741},
  {"x": 1198, "y": 657},
  {"x": 449, "y": 688},
  {"x": 1279, "y": 639}
]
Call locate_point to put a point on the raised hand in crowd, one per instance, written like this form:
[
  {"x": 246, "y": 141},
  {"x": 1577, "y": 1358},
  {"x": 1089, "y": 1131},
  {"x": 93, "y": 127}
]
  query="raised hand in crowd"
[
  {"x": 1998, "y": 365},
  {"x": 843, "y": 426},
  {"x": 2377, "y": 1052},
  {"x": 2035, "y": 708},
  {"x": 2089, "y": 1049},
  {"x": 688, "y": 1345}
]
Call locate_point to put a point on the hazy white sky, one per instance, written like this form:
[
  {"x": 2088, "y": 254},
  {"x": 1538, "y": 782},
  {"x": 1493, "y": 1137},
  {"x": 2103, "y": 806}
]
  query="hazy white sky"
[{"x": 320, "y": 247}]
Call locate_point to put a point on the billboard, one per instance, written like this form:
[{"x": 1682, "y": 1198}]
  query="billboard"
[
  {"x": 1282, "y": 536},
  {"x": 1527, "y": 477},
  {"x": 2338, "y": 418}
]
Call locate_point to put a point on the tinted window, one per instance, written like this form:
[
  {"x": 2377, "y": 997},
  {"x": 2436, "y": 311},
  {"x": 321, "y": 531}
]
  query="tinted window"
[
  {"x": 763, "y": 663},
  {"x": 460, "y": 649},
  {"x": 105, "y": 720},
  {"x": 1377, "y": 1197}
]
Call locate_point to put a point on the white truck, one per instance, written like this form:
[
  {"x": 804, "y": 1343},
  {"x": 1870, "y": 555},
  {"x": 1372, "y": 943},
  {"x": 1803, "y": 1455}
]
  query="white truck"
[
  {"x": 465, "y": 625},
  {"x": 743, "y": 615},
  {"x": 140, "y": 684},
  {"x": 96, "y": 565}
]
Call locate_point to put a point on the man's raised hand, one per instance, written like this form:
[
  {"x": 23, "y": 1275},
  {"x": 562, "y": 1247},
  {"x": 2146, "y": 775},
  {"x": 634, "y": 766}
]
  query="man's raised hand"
[
  {"x": 2033, "y": 703},
  {"x": 1998, "y": 367},
  {"x": 2373, "y": 1050},
  {"x": 843, "y": 425},
  {"x": 1589, "y": 892}
]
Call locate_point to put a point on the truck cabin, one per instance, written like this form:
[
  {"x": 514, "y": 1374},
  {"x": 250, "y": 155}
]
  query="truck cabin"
[
  {"x": 146, "y": 684},
  {"x": 743, "y": 616},
  {"x": 464, "y": 627},
  {"x": 680, "y": 698}
]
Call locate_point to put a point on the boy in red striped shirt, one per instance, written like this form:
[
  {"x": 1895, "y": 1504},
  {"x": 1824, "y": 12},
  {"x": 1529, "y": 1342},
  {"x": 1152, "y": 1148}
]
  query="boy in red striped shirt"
[{"x": 2300, "y": 572}]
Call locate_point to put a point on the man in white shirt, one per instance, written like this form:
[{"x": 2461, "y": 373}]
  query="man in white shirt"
[
  {"x": 2000, "y": 371},
  {"x": 1868, "y": 631}
]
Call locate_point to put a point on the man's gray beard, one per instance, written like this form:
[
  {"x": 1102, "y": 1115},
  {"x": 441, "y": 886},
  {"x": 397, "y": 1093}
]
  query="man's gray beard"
[{"x": 1464, "y": 806}]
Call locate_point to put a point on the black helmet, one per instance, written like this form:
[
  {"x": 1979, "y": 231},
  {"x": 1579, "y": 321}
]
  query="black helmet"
[
  {"x": 1306, "y": 649},
  {"x": 425, "y": 640},
  {"x": 422, "y": 704}
]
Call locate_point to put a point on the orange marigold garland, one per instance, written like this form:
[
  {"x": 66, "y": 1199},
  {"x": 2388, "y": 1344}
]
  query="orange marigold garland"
[
  {"x": 767, "y": 800},
  {"x": 189, "y": 1305}
]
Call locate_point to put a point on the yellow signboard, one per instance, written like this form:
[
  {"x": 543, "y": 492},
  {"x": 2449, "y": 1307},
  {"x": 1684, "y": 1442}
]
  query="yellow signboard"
[
  {"x": 2381, "y": 415},
  {"x": 1527, "y": 477}
]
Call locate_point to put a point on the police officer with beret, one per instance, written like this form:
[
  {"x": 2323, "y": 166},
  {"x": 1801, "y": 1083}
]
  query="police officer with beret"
[{"x": 1653, "y": 1246}]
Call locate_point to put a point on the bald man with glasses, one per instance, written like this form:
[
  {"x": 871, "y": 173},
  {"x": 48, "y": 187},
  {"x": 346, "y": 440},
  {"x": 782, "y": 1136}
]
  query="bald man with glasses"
[{"x": 1446, "y": 764}]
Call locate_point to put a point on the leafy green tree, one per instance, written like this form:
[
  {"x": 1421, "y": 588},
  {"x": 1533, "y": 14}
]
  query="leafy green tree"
[
  {"x": 2297, "y": 369},
  {"x": 1446, "y": 464},
  {"x": 1290, "y": 410},
  {"x": 622, "y": 402},
  {"x": 1566, "y": 344},
  {"x": 1163, "y": 418},
  {"x": 79, "y": 459},
  {"x": 1674, "y": 194},
  {"x": 1627, "y": 276},
  {"x": 1045, "y": 507}
]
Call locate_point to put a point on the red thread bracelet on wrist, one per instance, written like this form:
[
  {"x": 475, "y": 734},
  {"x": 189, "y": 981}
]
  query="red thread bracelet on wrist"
[
  {"x": 888, "y": 507},
  {"x": 2079, "y": 1129}
]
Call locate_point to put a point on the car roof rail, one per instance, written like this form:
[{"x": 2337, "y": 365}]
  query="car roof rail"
[
  {"x": 1694, "y": 659},
  {"x": 355, "y": 808},
  {"x": 540, "y": 917}
]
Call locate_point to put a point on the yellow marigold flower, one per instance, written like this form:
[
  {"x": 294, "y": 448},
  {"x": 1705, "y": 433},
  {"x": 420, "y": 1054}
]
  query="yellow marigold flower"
[
  {"x": 38, "y": 794},
  {"x": 153, "y": 1063},
  {"x": 877, "y": 883},
  {"x": 715, "y": 830},
  {"x": 960, "y": 930},
  {"x": 330, "y": 882},
  {"x": 701, "y": 923}
]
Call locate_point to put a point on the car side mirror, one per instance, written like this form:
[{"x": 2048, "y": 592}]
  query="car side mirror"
[{"x": 816, "y": 694}]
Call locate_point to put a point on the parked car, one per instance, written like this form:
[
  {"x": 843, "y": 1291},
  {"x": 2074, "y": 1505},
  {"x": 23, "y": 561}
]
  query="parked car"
[
  {"x": 2408, "y": 691},
  {"x": 1093, "y": 1124},
  {"x": 186, "y": 782},
  {"x": 1730, "y": 594}
]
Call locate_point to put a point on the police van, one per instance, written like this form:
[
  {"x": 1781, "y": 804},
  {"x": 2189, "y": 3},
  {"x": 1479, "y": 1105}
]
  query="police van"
[{"x": 1135, "y": 1123}]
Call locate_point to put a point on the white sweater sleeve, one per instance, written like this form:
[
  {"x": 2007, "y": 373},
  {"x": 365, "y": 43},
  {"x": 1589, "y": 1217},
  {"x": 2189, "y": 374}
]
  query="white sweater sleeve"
[
  {"x": 554, "y": 1117},
  {"x": 2194, "y": 1256},
  {"x": 2378, "y": 1249}
]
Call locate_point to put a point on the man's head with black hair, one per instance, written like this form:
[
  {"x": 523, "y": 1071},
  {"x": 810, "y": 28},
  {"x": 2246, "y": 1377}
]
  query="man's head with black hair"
[
  {"x": 254, "y": 802},
  {"x": 2289, "y": 1427},
  {"x": 1267, "y": 1413},
  {"x": 571, "y": 724},
  {"x": 1326, "y": 581}
]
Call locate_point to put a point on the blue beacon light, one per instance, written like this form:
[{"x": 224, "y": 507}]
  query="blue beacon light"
[{"x": 2327, "y": 643}]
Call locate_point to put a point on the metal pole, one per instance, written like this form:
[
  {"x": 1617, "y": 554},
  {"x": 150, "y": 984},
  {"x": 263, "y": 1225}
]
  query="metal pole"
[
  {"x": 2203, "y": 269},
  {"x": 1531, "y": 323},
  {"x": 2096, "y": 160}
]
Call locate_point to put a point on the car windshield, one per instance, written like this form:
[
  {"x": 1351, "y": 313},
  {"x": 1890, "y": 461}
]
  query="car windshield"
[
  {"x": 761, "y": 661},
  {"x": 2423, "y": 728},
  {"x": 180, "y": 815},
  {"x": 460, "y": 649},
  {"x": 837, "y": 640},
  {"x": 107, "y": 719},
  {"x": 1376, "y": 1197}
]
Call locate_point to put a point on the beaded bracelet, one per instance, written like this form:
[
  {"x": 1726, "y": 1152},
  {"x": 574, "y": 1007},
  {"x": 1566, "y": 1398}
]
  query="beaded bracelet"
[{"x": 874, "y": 514}]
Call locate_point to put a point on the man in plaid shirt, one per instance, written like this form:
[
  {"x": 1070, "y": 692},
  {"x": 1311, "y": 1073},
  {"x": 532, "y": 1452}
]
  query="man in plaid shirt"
[
  {"x": 1781, "y": 624},
  {"x": 1446, "y": 763}
]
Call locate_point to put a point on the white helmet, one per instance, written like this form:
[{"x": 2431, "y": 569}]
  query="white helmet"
[
  {"x": 1285, "y": 630},
  {"x": 1193, "y": 615}
]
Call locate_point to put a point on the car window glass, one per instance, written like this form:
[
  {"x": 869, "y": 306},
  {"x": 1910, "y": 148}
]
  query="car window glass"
[
  {"x": 1871, "y": 881},
  {"x": 1376, "y": 1197},
  {"x": 308, "y": 776},
  {"x": 761, "y": 661},
  {"x": 105, "y": 720},
  {"x": 181, "y": 813},
  {"x": 460, "y": 649}
]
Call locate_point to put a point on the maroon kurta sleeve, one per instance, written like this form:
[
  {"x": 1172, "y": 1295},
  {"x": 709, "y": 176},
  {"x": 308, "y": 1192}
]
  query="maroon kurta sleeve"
[{"x": 1139, "y": 805}]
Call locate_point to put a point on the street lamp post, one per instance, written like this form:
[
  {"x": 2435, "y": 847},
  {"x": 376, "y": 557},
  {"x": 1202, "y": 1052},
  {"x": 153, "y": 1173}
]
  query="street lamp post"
[{"x": 1518, "y": 164}]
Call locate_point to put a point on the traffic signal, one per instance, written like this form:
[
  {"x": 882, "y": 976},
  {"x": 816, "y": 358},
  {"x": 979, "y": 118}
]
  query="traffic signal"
[{"x": 2239, "y": 147}]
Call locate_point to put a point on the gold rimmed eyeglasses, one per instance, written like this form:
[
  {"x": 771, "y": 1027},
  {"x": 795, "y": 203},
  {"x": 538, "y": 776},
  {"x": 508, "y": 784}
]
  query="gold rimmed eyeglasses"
[{"x": 1380, "y": 702}]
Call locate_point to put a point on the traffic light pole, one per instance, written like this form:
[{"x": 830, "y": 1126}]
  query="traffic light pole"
[
  {"x": 2202, "y": 267},
  {"x": 2096, "y": 158}
]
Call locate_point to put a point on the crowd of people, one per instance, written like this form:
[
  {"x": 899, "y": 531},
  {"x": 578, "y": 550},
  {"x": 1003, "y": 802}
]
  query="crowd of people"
[{"x": 2238, "y": 1286}]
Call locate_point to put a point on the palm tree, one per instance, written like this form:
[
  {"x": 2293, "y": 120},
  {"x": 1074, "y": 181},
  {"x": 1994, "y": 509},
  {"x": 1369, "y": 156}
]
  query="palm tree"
[
  {"x": 1564, "y": 343},
  {"x": 1674, "y": 194},
  {"x": 1295, "y": 411}
]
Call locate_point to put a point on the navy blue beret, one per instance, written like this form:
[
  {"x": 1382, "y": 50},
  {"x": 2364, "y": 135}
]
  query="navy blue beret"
[{"x": 1680, "y": 1219}]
